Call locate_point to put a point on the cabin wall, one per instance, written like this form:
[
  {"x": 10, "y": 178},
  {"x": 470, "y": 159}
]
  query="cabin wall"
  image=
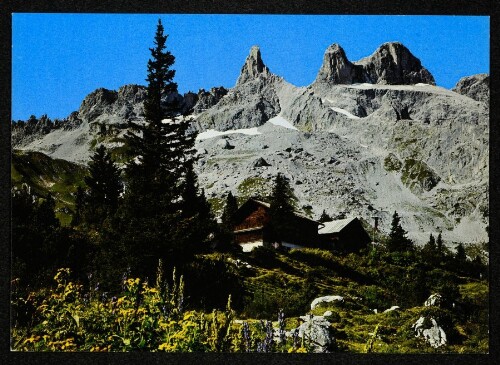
[
  {"x": 244, "y": 237},
  {"x": 257, "y": 218},
  {"x": 352, "y": 238}
]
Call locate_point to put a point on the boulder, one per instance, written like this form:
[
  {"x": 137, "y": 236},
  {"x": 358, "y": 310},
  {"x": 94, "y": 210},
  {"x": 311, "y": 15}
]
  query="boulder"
[
  {"x": 435, "y": 300},
  {"x": 224, "y": 144},
  {"x": 260, "y": 162},
  {"x": 391, "y": 309},
  {"x": 327, "y": 299},
  {"x": 316, "y": 329},
  {"x": 428, "y": 329}
]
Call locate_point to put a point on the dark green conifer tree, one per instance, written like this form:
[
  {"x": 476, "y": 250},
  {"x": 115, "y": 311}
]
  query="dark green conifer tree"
[
  {"x": 430, "y": 252},
  {"x": 104, "y": 188},
  {"x": 226, "y": 237},
  {"x": 398, "y": 242},
  {"x": 325, "y": 217},
  {"x": 440, "y": 247},
  {"x": 460, "y": 254},
  {"x": 162, "y": 207},
  {"x": 229, "y": 211},
  {"x": 283, "y": 203}
]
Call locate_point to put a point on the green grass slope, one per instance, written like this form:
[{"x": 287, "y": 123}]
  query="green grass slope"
[{"x": 45, "y": 174}]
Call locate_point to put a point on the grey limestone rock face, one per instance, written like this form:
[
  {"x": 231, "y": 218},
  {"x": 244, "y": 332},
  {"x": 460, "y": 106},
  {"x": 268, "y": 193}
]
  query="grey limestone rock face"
[
  {"x": 207, "y": 99},
  {"x": 476, "y": 87},
  {"x": 337, "y": 69},
  {"x": 113, "y": 107},
  {"x": 392, "y": 63},
  {"x": 252, "y": 102},
  {"x": 253, "y": 67}
]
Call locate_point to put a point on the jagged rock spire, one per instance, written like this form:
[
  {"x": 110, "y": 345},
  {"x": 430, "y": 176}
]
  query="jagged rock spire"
[
  {"x": 392, "y": 63},
  {"x": 253, "y": 67},
  {"x": 336, "y": 68}
]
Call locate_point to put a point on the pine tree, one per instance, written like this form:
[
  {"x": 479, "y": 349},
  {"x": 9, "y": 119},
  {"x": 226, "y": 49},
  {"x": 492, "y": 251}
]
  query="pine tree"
[
  {"x": 196, "y": 210},
  {"x": 162, "y": 214},
  {"x": 325, "y": 217},
  {"x": 104, "y": 188},
  {"x": 283, "y": 203},
  {"x": 229, "y": 211},
  {"x": 226, "y": 237},
  {"x": 398, "y": 242},
  {"x": 440, "y": 247},
  {"x": 429, "y": 251},
  {"x": 460, "y": 254}
]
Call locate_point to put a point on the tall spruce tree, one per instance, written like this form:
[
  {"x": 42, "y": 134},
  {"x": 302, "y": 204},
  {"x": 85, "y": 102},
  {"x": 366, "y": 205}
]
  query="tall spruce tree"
[
  {"x": 229, "y": 211},
  {"x": 325, "y": 217},
  {"x": 440, "y": 247},
  {"x": 226, "y": 237},
  {"x": 398, "y": 242},
  {"x": 104, "y": 188},
  {"x": 429, "y": 252},
  {"x": 283, "y": 203},
  {"x": 162, "y": 206}
]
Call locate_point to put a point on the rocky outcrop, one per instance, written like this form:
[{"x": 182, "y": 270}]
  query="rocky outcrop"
[
  {"x": 253, "y": 67},
  {"x": 392, "y": 63},
  {"x": 430, "y": 331},
  {"x": 333, "y": 299},
  {"x": 315, "y": 330},
  {"x": 337, "y": 69},
  {"x": 260, "y": 162},
  {"x": 435, "y": 300},
  {"x": 476, "y": 87},
  {"x": 252, "y": 102},
  {"x": 392, "y": 309},
  {"x": 207, "y": 99}
]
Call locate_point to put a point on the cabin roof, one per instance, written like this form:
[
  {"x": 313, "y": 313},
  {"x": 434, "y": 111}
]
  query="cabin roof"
[
  {"x": 267, "y": 206},
  {"x": 297, "y": 214},
  {"x": 335, "y": 226}
]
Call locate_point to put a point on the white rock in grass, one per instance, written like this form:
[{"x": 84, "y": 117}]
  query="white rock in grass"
[
  {"x": 327, "y": 299},
  {"x": 434, "y": 335},
  {"x": 435, "y": 300},
  {"x": 393, "y": 308}
]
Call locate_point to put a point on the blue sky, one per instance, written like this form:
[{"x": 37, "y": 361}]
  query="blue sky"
[{"x": 57, "y": 59}]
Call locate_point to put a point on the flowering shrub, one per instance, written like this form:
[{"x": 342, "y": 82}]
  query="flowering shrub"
[{"x": 142, "y": 317}]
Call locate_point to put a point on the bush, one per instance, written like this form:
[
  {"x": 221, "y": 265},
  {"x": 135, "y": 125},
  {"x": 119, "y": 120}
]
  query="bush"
[
  {"x": 277, "y": 292},
  {"x": 141, "y": 317},
  {"x": 211, "y": 279}
]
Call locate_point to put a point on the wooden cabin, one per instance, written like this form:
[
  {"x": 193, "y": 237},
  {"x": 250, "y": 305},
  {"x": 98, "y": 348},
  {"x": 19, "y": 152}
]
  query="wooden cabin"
[
  {"x": 346, "y": 235},
  {"x": 252, "y": 228}
]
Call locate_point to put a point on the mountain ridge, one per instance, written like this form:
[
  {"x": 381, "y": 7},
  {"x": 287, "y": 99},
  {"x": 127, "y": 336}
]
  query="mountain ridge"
[{"x": 348, "y": 146}]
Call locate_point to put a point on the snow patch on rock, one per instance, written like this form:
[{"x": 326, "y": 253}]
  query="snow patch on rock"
[{"x": 211, "y": 133}]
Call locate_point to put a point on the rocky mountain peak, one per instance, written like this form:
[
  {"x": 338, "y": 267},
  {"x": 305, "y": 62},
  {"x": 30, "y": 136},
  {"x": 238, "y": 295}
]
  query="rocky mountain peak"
[
  {"x": 253, "y": 68},
  {"x": 336, "y": 68},
  {"x": 393, "y": 64},
  {"x": 476, "y": 87}
]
